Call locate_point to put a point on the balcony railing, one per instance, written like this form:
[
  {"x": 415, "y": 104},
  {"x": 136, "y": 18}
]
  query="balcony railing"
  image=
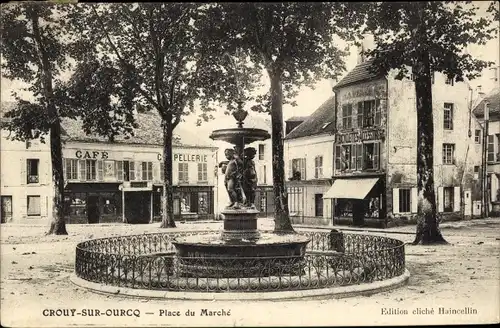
[{"x": 33, "y": 179}]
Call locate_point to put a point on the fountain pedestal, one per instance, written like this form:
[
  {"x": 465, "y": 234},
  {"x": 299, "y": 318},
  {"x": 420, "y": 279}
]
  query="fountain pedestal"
[{"x": 240, "y": 224}]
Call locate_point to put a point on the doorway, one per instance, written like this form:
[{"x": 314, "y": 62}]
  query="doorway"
[
  {"x": 93, "y": 209},
  {"x": 318, "y": 205},
  {"x": 138, "y": 206},
  {"x": 6, "y": 209}
]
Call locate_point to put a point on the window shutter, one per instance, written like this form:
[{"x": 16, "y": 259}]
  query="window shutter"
[
  {"x": 65, "y": 169},
  {"x": 119, "y": 170},
  {"x": 290, "y": 171},
  {"x": 395, "y": 200},
  {"x": 359, "y": 154},
  {"x": 47, "y": 172},
  {"x": 377, "y": 112},
  {"x": 304, "y": 167},
  {"x": 440, "y": 200},
  {"x": 456, "y": 198},
  {"x": 138, "y": 171},
  {"x": 376, "y": 155},
  {"x": 353, "y": 157},
  {"x": 100, "y": 174},
  {"x": 338, "y": 166},
  {"x": 83, "y": 170},
  {"x": 24, "y": 165},
  {"x": 23, "y": 205},
  {"x": 156, "y": 171},
  {"x": 162, "y": 171},
  {"x": 43, "y": 206},
  {"x": 360, "y": 114},
  {"x": 200, "y": 172},
  {"x": 414, "y": 200}
]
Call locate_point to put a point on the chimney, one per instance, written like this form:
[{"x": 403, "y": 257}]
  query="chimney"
[
  {"x": 494, "y": 73},
  {"x": 480, "y": 92},
  {"x": 367, "y": 43}
]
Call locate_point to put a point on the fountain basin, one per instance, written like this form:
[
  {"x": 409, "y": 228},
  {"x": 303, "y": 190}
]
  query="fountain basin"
[
  {"x": 240, "y": 136},
  {"x": 211, "y": 256}
]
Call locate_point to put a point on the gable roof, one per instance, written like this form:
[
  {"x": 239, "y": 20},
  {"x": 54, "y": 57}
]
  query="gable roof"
[
  {"x": 297, "y": 119},
  {"x": 148, "y": 132},
  {"x": 493, "y": 99},
  {"x": 320, "y": 122},
  {"x": 358, "y": 74}
]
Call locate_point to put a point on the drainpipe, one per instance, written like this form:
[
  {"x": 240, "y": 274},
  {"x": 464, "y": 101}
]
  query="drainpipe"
[{"x": 486, "y": 208}]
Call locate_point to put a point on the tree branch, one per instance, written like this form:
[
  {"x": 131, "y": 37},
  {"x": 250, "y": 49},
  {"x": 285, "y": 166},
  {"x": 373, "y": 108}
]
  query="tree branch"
[
  {"x": 120, "y": 58},
  {"x": 136, "y": 32}
]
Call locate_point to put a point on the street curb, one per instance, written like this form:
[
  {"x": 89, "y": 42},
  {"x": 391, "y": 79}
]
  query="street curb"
[
  {"x": 301, "y": 226},
  {"x": 334, "y": 292}
]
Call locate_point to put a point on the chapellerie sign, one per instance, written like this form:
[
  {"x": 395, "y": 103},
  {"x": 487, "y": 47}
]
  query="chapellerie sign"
[
  {"x": 187, "y": 158},
  {"x": 360, "y": 135}
]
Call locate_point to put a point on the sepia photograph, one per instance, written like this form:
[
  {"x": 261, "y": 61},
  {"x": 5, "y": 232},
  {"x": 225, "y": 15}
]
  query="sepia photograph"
[{"x": 226, "y": 164}]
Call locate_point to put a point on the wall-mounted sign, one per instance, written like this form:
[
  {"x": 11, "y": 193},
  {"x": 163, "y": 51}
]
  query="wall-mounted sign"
[
  {"x": 360, "y": 135},
  {"x": 186, "y": 158},
  {"x": 89, "y": 154},
  {"x": 374, "y": 90},
  {"x": 139, "y": 184}
]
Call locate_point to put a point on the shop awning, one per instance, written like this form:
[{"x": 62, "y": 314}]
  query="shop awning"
[{"x": 351, "y": 188}]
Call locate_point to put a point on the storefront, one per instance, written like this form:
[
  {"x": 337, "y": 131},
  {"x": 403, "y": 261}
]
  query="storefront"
[
  {"x": 93, "y": 203},
  {"x": 358, "y": 200},
  {"x": 190, "y": 203}
]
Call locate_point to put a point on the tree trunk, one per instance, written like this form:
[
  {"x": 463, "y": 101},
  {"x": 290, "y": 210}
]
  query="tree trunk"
[
  {"x": 428, "y": 231},
  {"x": 58, "y": 223},
  {"x": 282, "y": 223},
  {"x": 167, "y": 215}
]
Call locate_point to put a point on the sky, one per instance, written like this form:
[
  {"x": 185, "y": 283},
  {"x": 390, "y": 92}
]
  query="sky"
[{"x": 308, "y": 99}]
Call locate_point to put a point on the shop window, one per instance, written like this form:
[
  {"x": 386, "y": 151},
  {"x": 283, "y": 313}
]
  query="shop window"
[
  {"x": 32, "y": 166},
  {"x": 71, "y": 168},
  {"x": 183, "y": 173},
  {"x": 477, "y": 137},
  {"x": 318, "y": 167},
  {"x": 372, "y": 208},
  {"x": 448, "y": 199},
  {"x": 343, "y": 208},
  {"x": 34, "y": 206},
  {"x": 347, "y": 116},
  {"x": 147, "y": 171},
  {"x": 404, "y": 200},
  {"x": 185, "y": 199},
  {"x": 298, "y": 169},
  {"x": 202, "y": 172},
  {"x": 203, "y": 202},
  {"x": 448, "y": 116},
  {"x": 448, "y": 153},
  {"x": 261, "y": 151}
]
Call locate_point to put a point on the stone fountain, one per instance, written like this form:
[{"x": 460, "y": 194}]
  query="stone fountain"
[{"x": 240, "y": 239}]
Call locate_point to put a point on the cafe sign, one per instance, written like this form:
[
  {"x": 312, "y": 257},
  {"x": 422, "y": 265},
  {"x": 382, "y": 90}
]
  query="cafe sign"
[{"x": 359, "y": 136}]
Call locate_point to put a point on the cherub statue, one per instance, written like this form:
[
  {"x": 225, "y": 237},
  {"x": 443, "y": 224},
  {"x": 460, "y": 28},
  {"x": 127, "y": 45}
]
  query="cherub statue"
[
  {"x": 233, "y": 175},
  {"x": 249, "y": 181}
]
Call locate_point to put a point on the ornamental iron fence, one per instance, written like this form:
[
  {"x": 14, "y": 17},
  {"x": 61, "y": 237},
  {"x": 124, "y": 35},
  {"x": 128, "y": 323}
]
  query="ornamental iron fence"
[{"x": 149, "y": 261}]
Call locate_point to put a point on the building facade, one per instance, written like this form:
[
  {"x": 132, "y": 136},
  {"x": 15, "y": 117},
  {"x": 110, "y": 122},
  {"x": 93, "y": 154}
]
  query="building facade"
[
  {"x": 118, "y": 181},
  {"x": 490, "y": 129},
  {"x": 25, "y": 180},
  {"x": 308, "y": 149},
  {"x": 375, "y": 174}
]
